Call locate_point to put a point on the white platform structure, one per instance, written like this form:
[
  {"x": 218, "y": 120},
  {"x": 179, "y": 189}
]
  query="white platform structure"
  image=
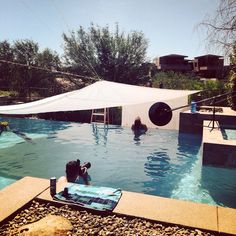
[{"x": 134, "y": 100}]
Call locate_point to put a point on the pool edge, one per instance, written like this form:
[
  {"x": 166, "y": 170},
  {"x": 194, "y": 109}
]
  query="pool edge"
[{"x": 188, "y": 214}]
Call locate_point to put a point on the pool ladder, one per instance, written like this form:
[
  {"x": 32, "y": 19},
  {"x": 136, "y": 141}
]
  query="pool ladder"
[{"x": 100, "y": 116}]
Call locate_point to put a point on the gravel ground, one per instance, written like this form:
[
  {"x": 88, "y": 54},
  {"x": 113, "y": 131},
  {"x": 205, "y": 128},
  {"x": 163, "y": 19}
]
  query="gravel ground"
[{"x": 87, "y": 223}]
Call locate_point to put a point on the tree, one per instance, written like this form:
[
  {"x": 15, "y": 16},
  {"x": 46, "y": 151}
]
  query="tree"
[
  {"x": 28, "y": 78},
  {"x": 232, "y": 78},
  {"x": 172, "y": 80},
  {"x": 221, "y": 32},
  {"x": 6, "y": 54},
  {"x": 232, "y": 55},
  {"x": 232, "y": 88},
  {"x": 25, "y": 70},
  {"x": 50, "y": 61},
  {"x": 102, "y": 54},
  {"x": 25, "y": 52},
  {"x": 221, "y": 28}
]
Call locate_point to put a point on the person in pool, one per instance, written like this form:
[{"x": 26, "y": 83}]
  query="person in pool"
[
  {"x": 138, "y": 128},
  {"x": 4, "y": 126},
  {"x": 75, "y": 173}
]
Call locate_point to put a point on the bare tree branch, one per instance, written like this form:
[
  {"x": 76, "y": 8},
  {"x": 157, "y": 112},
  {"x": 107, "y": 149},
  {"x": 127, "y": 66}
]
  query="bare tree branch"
[{"x": 221, "y": 28}]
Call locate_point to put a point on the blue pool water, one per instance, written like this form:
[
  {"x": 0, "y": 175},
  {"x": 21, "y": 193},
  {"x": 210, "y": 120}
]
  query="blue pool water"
[
  {"x": 162, "y": 162},
  {"x": 229, "y": 133}
]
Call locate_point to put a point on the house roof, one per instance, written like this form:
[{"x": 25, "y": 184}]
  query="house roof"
[
  {"x": 175, "y": 55},
  {"x": 209, "y": 55}
]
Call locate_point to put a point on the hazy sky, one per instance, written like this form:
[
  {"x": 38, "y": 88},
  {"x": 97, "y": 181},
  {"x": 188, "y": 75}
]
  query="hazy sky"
[{"x": 169, "y": 25}]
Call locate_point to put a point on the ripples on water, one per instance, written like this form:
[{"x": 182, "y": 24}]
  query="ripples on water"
[{"x": 162, "y": 162}]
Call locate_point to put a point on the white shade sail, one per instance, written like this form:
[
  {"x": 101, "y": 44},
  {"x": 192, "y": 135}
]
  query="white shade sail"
[{"x": 98, "y": 95}]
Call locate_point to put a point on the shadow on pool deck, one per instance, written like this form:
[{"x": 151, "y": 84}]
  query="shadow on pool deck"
[{"x": 189, "y": 214}]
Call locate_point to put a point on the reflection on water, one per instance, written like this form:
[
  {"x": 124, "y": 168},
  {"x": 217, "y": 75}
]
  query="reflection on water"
[
  {"x": 138, "y": 134},
  {"x": 168, "y": 166},
  {"x": 158, "y": 164},
  {"x": 100, "y": 132},
  {"x": 161, "y": 162}
]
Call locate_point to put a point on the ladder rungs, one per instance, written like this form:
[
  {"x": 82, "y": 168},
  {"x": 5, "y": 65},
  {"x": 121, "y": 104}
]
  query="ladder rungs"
[
  {"x": 95, "y": 114},
  {"x": 98, "y": 114}
]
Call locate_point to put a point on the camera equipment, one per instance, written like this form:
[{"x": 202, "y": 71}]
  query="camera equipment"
[{"x": 86, "y": 165}]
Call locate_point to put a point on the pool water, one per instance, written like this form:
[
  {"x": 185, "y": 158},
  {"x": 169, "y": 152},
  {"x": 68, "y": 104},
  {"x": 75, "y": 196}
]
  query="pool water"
[
  {"x": 161, "y": 162},
  {"x": 228, "y": 133}
]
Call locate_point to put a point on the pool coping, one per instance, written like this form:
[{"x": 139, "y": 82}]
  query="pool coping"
[{"x": 160, "y": 209}]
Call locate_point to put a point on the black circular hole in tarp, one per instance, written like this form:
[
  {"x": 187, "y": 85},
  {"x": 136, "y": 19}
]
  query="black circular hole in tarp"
[{"x": 160, "y": 114}]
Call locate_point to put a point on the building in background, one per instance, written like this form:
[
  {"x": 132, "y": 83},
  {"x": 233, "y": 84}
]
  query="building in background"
[
  {"x": 209, "y": 66},
  {"x": 173, "y": 62},
  {"x": 205, "y": 66}
]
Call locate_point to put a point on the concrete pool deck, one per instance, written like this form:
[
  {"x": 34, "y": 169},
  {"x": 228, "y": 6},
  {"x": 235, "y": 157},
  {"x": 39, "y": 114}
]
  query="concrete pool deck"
[{"x": 164, "y": 210}]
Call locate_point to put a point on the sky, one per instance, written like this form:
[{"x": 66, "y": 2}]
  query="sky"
[{"x": 170, "y": 26}]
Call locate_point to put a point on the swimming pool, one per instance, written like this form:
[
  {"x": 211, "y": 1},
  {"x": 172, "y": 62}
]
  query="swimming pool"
[
  {"x": 162, "y": 162},
  {"x": 228, "y": 133}
]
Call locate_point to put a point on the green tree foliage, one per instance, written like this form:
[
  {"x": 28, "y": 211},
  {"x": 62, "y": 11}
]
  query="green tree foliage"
[
  {"x": 25, "y": 52},
  {"x": 173, "y": 80},
  {"x": 232, "y": 56},
  {"x": 102, "y": 54},
  {"x": 22, "y": 75},
  {"x": 50, "y": 61},
  {"x": 209, "y": 88},
  {"x": 232, "y": 78},
  {"x": 232, "y": 87},
  {"x": 6, "y": 53}
]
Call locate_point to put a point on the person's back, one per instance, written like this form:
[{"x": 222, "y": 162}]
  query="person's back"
[
  {"x": 72, "y": 171},
  {"x": 138, "y": 126},
  {"x": 76, "y": 174}
]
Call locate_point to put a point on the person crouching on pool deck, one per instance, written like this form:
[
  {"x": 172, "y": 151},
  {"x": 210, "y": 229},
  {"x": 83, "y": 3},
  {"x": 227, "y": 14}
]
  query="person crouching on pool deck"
[
  {"x": 75, "y": 173},
  {"x": 138, "y": 127}
]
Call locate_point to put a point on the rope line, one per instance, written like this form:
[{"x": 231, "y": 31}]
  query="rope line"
[
  {"x": 47, "y": 70},
  {"x": 208, "y": 99}
]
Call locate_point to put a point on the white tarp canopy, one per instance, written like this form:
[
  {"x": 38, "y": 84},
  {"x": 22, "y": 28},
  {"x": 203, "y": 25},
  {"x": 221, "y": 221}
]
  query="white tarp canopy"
[{"x": 102, "y": 94}]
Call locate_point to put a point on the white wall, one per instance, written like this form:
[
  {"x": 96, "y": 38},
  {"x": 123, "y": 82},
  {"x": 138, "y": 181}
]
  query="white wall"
[{"x": 129, "y": 113}]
